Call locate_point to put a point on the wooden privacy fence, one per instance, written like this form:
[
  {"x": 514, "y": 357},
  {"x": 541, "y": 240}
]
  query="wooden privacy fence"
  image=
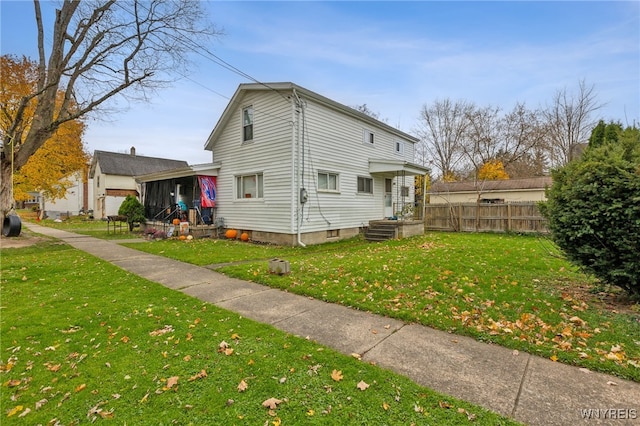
[{"x": 473, "y": 217}]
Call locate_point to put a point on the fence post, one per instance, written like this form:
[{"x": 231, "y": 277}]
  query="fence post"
[
  {"x": 460, "y": 217},
  {"x": 509, "y": 217}
]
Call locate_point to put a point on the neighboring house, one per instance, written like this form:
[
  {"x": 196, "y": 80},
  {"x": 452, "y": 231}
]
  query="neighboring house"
[
  {"x": 490, "y": 191},
  {"x": 77, "y": 199},
  {"x": 113, "y": 175},
  {"x": 294, "y": 167}
]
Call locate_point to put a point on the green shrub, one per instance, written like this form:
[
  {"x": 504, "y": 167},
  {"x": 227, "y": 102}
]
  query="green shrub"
[
  {"x": 593, "y": 208},
  {"x": 133, "y": 210}
]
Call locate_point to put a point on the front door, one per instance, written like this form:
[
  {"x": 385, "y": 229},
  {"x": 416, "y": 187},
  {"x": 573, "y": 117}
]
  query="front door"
[{"x": 388, "y": 197}]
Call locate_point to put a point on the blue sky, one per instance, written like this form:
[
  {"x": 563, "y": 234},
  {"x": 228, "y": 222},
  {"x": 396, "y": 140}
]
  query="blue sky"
[{"x": 393, "y": 56}]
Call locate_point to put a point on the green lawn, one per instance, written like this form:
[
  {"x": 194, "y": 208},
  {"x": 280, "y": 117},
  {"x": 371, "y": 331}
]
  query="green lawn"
[
  {"x": 516, "y": 291},
  {"x": 84, "y": 341}
]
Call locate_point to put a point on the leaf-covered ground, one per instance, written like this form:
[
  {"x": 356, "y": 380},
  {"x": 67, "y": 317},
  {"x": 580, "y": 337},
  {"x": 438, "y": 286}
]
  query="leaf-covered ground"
[
  {"x": 85, "y": 342},
  {"x": 512, "y": 290}
]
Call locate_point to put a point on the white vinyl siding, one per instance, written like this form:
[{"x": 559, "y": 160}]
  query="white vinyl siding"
[
  {"x": 270, "y": 154},
  {"x": 332, "y": 146}
]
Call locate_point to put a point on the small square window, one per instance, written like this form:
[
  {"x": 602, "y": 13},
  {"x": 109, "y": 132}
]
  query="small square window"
[
  {"x": 247, "y": 124},
  {"x": 327, "y": 181},
  {"x": 404, "y": 191},
  {"x": 249, "y": 186},
  {"x": 365, "y": 185}
]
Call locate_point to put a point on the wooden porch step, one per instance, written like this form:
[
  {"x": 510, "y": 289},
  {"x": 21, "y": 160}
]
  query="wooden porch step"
[{"x": 380, "y": 231}]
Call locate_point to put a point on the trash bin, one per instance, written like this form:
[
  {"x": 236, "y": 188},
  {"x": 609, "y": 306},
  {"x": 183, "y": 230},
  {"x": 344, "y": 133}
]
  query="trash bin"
[{"x": 11, "y": 226}]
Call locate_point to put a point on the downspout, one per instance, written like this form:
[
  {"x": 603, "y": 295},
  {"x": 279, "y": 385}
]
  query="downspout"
[{"x": 299, "y": 213}]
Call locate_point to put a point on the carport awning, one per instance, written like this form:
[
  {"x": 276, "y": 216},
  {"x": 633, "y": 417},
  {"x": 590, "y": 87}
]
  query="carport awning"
[
  {"x": 210, "y": 169},
  {"x": 396, "y": 166}
]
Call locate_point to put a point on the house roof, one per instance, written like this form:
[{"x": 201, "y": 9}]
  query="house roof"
[
  {"x": 113, "y": 163},
  {"x": 534, "y": 183},
  {"x": 290, "y": 88},
  {"x": 208, "y": 169}
]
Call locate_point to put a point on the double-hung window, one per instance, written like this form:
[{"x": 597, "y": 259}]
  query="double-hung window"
[
  {"x": 365, "y": 185},
  {"x": 249, "y": 186},
  {"x": 247, "y": 124},
  {"x": 327, "y": 181}
]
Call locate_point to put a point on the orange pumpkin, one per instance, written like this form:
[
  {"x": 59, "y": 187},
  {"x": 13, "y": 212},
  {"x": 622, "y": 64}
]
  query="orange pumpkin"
[
  {"x": 244, "y": 236},
  {"x": 231, "y": 233},
  {"x": 183, "y": 237},
  {"x": 176, "y": 221}
]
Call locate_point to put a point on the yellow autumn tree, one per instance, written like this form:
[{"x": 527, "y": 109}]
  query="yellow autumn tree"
[
  {"x": 49, "y": 168},
  {"x": 492, "y": 170}
]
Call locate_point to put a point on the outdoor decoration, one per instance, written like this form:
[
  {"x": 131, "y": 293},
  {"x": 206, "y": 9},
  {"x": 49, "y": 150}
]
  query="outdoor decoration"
[
  {"x": 231, "y": 234},
  {"x": 176, "y": 221},
  {"x": 244, "y": 236},
  {"x": 207, "y": 191}
]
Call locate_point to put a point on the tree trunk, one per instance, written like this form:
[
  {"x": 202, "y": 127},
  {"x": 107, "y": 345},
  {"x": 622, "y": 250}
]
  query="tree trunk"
[{"x": 6, "y": 188}]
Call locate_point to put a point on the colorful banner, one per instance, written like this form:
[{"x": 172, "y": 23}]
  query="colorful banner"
[{"x": 207, "y": 191}]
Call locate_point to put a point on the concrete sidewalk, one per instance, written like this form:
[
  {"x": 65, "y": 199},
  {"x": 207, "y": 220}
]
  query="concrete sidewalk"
[{"x": 530, "y": 389}]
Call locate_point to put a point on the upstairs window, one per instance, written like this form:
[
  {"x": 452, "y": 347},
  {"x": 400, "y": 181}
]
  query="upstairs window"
[
  {"x": 249, "y": 186},
  {"x": 368, "y": 137},
  {"x": 247, "y": 124},
  {"x": 399, "y": 147}
]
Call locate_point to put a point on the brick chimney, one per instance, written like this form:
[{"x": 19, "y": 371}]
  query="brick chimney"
[{"x": 133, "y": 151}]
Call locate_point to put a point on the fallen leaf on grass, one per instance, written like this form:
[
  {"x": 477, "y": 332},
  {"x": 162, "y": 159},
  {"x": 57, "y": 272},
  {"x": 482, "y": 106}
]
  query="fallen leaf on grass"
[
  {"x": 242, "y": 386},
  {"x": 224, "y": 348},
  {"x": 444, "y": 404},
  {"x": 15, "y": 410},
  {"x": 81, "y": 388},
  {"x": 470, "y": 416},
  {"x": 336, "y": 375},
  {"x": 362, "y": 385},
  {"x": 171, "y": 382},
  {"x": 25, "y": 412},
  {"x": 385, "y": 406},
  {"x": 12, "y": 383},
  {"x": 52, "y": 367},
  {"x": 164, "y": 330},
  {"x": 201, "y": 375},
  {"x": 40, "y": 403},
  {"x": 271, "y": 403}
]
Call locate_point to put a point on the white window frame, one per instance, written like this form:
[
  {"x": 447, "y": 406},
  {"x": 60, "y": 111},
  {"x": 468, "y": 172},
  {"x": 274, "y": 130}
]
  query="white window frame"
[
  {"x": 247, "y": 126},
  {"x": 329, "y": 175},
  {"x": 362, "y": 189},
  {"x": 242, "y": 188},
  {"x": 368, "y": 137}
]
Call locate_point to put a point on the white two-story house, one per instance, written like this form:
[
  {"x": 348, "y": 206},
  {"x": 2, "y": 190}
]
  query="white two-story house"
[{"x": 294, "y": 167}]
